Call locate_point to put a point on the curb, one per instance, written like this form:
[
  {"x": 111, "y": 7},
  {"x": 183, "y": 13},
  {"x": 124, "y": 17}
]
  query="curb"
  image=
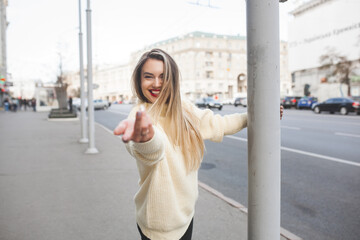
[{"x": 283, "y": 232}]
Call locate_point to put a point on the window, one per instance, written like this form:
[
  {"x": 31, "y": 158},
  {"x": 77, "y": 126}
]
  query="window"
[
  {"x": 208, "y": 54},
  {"x": 209, "y": 74},
  {"x": 229, "y": 57}
]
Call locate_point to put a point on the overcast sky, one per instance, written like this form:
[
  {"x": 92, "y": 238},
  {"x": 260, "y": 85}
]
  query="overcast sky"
[{"x": 40, "y": 30}]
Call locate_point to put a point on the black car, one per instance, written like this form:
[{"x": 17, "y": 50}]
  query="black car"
[
  {"x": 341, "y": 104},
  {"x": 208, "y": 102},
  {"x": 290, "y": 101}
]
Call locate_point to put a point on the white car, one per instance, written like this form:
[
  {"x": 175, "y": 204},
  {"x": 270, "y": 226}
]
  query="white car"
[
  {"x": 101, "y": 104},
  {"x": 98, "y": 104}
]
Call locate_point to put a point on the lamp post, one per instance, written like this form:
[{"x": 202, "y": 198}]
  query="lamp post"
[
  {"x": 83, "y": 138},
  {"x": 263, "y": 54},
  {"x": 91, "y": 149}
]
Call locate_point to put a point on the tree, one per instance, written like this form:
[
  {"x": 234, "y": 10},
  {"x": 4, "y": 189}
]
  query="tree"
[
  {"x": 339, "y": 66},
  {"x": 61, "y": 87}
]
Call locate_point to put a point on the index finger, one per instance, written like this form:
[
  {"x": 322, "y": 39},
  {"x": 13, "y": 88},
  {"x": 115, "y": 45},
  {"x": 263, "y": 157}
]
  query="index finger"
[
  {"x": 120, "y": 129},
  {"x": 137, "y": 125}
]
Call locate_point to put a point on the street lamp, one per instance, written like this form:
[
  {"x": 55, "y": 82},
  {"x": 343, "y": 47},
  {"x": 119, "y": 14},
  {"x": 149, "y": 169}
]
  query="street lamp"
[
  {"x": 83, "y": 138},
  {"x": 91, "y": 149}
]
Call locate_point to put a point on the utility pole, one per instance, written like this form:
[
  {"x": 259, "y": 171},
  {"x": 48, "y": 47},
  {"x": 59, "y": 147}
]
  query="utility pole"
[
  {"x": 83, "y": 138},
  {"x": 91, "y": 149},
  {"x": 263, "y": 54}
]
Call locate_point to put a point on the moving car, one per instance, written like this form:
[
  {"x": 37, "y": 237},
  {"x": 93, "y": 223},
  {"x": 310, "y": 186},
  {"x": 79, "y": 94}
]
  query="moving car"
[
  {"x": 341, "y": 104},
  {"x": 208, "y": 102},
  {"x": 306, "y": 102},
  {"x": 290, "y": 101},
  {"x": 98, "y": 104},
  {"x": 240, "y": 101},
  {"x": 101, "y": 104}
]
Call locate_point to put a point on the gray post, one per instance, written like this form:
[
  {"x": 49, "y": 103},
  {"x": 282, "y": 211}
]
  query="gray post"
[
  {"x": 83, "y": 138},
  {"x": 91, "y": 149},
  {"x": 263, "y": 53}
]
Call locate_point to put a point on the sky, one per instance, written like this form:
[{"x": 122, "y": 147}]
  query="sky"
[{"x": 41, "y": 32}]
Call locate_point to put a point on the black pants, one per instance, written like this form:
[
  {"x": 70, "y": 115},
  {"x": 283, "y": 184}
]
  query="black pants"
[{"x": 187, "y": 235}]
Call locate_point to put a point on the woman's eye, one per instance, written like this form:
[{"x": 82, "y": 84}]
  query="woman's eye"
[{"x": 148, "y": 77}]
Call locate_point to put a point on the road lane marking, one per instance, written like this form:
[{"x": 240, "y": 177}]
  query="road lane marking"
[
  {"x": 237, "y": 138},
  {"x": 294, "y": 128},
  {"x": 283, "y": 232},
  {"x": 307, "y": 153},
  {"x": 347, "y": 134},
  {"x": 322, "y": 156},
  {"x": 121, "y": 113}
]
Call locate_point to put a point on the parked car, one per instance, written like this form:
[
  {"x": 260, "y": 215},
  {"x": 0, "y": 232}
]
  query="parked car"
[
  {"x": 227, "y": 101},
  {"x": 101, "y": 104},
  {"x": 355, "y": 98},
  {"x": 342, "y": 105},
  {"x": 208, "y": 102},
  {"x": 290, "y": 101},
  {"x": 306, "y": 102},
  {"x": 240, "y": 101},
  {"x": 98, "y": 104}
]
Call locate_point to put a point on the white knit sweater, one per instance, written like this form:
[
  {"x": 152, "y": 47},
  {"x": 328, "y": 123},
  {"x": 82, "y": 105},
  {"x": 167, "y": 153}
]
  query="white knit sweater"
[{"x": 165, "y": 202}]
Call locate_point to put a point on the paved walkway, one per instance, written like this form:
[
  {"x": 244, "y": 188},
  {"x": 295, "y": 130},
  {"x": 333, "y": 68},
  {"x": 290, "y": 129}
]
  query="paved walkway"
[{"x": 51, "y": 190}]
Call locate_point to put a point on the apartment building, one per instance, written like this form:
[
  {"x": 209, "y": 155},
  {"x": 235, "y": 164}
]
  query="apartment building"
[
  {"x": 321, "y": 28},
  {"x": 210, "y": 65}
]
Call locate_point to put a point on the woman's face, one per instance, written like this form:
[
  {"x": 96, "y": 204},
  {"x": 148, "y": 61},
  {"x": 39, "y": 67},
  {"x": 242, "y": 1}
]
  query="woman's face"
[{"x": 152, "y": 75}]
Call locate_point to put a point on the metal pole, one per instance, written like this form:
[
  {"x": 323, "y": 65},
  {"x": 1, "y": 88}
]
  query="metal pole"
[
  {"x": 263, "y": 54},
  {"x": 91, "y": 149},
  {"x": 83, "y": 138}
]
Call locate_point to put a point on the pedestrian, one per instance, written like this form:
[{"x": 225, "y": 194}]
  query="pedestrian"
[
  {"x": 25, "y": 102},
  {"x": 33, "y": 104},
  {"x": 7, "y": 105},
  {"x": 165, "y": 134},
  {"x": 70, "y": 104},
  {"x": 20, "y": 103},
  {"x": 15, "y": 103}
]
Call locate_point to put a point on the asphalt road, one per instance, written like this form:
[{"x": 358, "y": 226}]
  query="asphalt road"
[{"x": 320, "y": 170}]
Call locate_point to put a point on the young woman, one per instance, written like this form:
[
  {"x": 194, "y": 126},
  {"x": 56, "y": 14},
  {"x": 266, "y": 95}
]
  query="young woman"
[{"x": 165, "y": 135}]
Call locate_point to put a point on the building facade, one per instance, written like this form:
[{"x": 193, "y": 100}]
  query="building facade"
[
  {"x": 4, "y": 81},
  {"x": 214, "y": 65},
  {"x": 324, "y": 35},
  {"x": 210, "y": 65}
]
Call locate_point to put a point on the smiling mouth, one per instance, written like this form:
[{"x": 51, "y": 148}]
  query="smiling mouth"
[{"x": 154, "y": 93}]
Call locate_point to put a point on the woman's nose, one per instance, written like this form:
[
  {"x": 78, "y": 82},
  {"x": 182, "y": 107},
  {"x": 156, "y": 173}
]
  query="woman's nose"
[{"x": 158, "y": 82}]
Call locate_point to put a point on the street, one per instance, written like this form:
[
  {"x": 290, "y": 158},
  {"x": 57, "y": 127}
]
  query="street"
[{"x": 320, "y": 175}]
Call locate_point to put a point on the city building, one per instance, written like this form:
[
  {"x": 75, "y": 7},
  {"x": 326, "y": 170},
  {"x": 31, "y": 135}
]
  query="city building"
[
  {"x": 324, "y": 48},
  {"x": 214, "y": 65},
  {"x": 210, "y": 65},
  {"x": 4, "y": 80}
]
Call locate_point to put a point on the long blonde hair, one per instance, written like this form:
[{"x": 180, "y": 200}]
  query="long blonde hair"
[{"x": 182, "y": 126}]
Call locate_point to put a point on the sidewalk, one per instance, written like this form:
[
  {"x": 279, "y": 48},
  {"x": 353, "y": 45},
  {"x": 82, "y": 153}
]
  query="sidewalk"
[{"x": 51, "y": 190}]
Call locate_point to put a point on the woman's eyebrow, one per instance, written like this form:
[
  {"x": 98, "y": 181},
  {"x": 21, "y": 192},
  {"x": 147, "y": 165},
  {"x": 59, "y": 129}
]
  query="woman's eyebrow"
[{"x": 148, "y": 73}]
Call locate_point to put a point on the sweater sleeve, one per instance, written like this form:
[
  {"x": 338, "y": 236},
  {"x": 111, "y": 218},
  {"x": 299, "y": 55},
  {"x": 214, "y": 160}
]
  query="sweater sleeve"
[
  {"x": 149, "y": 152},
  {"x": 214, "y": 126}
]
